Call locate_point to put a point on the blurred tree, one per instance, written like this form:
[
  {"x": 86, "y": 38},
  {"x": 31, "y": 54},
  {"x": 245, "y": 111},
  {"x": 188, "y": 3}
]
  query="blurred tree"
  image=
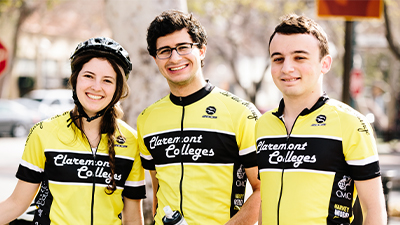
[
  {"x": 239, "y": 32},
  {"x": 13, "y": 14},
  {"x": 390, "y": 11}
]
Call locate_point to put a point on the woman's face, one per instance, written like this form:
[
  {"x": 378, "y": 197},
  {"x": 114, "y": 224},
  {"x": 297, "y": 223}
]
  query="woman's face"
[{"x": 96, "y": 85}]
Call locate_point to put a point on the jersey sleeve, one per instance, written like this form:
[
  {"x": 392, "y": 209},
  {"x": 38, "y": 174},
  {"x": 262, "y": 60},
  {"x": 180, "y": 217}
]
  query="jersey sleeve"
[
  {"x": 146, "y": 158},
  {"x": 135, "y": 186},
  {"x": 246, "y": 135},
  {"x": 359, "y": 148},
  {"x": 31, "y": 167}
]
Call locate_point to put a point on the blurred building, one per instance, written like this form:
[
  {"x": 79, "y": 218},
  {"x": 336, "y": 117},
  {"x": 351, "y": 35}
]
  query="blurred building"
[{"x": 47, "y": 39}]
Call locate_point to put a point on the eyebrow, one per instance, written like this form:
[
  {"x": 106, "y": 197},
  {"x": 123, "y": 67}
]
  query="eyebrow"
[
  {"x": 294, "y": 52},
  {"x": 90, "y": 72},
  {"x": 181, "y": 43}
]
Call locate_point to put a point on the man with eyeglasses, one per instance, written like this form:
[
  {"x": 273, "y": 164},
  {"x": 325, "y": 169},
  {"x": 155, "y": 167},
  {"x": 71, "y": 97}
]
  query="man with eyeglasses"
[{"x": 198, "y": 141}]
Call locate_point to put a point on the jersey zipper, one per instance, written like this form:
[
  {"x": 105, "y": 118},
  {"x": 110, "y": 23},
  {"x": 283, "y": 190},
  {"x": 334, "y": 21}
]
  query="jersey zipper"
[
  {"x": 94, "y": 179},
  {"x": 180, "y": 156},
  {"x": 283, "y": 163}
]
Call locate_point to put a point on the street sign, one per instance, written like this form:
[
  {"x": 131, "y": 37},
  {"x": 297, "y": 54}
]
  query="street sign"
[
  {"x": 350, "y": 9},
  {"x": 356, "y": 82},
  {"x": 3, "y": 58}
]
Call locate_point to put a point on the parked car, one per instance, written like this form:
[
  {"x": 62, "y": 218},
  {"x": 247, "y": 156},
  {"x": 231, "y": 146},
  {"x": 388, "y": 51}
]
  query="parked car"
[
  {"x": 59, "y": 100},
  {"x": 42, "y": 109},
  {"x": 16, "y": 119}
]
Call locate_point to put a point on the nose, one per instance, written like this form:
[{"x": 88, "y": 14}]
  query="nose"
[
  {"x": 287, "y": 66},
  {"x": 96, "y": 85},
  {"x": 174, "y": 55}
]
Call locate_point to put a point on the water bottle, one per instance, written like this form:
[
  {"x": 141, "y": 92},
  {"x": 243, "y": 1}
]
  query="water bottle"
[{"x": 173, "y": 217}]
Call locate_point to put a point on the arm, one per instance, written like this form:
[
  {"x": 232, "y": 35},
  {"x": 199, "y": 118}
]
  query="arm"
[
  {"x": 248, "y": 214},
  {"x": 372, "y": 201},
  {"x": 154, "y": 182},
  {"x": 260, "y": 216},
  {"x": 132, "y": 212},
  {"x": 18, "y": 202}
]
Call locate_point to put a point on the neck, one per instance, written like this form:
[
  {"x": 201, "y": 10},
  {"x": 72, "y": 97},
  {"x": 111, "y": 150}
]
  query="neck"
[
  {"x": 91, "y": 126},
  {"x": 294, "y": 105},
  {"x": 190, "y": 87},
  {"x": 92, "y": 131}
]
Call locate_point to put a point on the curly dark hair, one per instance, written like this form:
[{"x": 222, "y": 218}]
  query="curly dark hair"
[
  {"x": 173, "y": 20},
  {"x": 294, "y": 24}
]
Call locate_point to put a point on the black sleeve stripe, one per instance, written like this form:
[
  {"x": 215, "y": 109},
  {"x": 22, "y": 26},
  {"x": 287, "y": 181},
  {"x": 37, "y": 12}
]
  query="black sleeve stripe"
[
  {"x": 28, "y": 175},
  {"x": 135, "y": 192},
  {"x": 365, "y": 172},
  {"x": 148, "y": 164},
  {"x": 249, "y": 160}
]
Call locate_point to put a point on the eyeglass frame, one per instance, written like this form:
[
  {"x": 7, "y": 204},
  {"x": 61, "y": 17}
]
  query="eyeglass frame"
[{"x": 176, "y": 49}]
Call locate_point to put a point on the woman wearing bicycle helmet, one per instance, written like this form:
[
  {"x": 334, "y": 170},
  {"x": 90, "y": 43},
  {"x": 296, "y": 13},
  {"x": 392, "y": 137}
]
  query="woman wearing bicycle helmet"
[{"x": 85, "y": 161}]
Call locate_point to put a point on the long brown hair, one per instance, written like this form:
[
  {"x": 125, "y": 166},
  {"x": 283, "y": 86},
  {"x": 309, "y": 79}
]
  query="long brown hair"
[{"x": 113, "y": 111}]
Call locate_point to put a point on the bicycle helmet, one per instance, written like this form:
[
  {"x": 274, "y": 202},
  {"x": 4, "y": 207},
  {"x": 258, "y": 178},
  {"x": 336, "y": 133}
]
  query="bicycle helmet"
[{"x": 105, "y": 45}]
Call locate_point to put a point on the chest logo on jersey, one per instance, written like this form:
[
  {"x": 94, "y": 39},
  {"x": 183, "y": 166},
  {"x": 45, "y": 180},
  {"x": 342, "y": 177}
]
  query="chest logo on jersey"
[
  {"x": 84, "y": 167},
  {"x": 172, "y": 146},
  {"x": 210, "y": 110},
  {"x": 320, "y": 119},
  {"x": 278, "y": 154}
]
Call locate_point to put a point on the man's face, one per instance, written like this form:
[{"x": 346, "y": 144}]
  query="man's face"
[
  {"x": 296, "y": 66},
  {"x": 180, "y": 70}
]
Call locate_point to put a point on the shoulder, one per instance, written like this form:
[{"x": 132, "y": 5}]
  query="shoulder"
[
  {"x": 268, "y": 116},
  {"x": 343, "y": 110},
  {"x": 348, "y": 116},
  {"x": 60, "y": 120},
  {"x": 126, "y": 129},
  {"x": 160, "y": 103},
  {"x": 50, "y": 126},
  {"x": 235, "y": 103}
]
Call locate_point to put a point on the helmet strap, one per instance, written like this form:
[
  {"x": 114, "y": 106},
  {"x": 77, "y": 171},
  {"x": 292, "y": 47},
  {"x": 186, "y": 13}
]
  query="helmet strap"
[{"x": 82, "y": 112}]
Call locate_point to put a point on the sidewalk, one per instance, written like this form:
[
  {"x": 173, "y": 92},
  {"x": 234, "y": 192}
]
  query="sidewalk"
[
  {"x": 389, "y": 160},
  {"x": 394, "y": 207}
]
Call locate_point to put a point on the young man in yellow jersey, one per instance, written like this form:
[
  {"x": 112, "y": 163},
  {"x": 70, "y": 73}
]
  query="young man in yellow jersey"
[
  {"x": 198, "y": 141},
  {"x": 315, "y": 154}
]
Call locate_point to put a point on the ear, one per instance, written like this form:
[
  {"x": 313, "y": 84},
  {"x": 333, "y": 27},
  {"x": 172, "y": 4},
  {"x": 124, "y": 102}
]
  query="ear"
[
  {"x": 326, "y": 63},
  {"x": 203, "y": 50}
]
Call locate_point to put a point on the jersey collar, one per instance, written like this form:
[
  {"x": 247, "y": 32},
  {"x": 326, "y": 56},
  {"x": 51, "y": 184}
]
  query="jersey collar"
[
  {"x": 321, "y": 101},
  {"x": 193, "y": 97}
]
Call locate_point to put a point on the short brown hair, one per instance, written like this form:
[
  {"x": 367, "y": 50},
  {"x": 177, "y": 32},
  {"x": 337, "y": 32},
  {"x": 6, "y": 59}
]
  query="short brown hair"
[
  {"x": 294, "y": 24},
  {"x": 173, "y": 20}
]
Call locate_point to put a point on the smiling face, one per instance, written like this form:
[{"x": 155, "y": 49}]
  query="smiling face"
[
  {"x": 96, "y": 85},
  {"x": 181, "y": 71},
  {"x": 296, "y": 65}
]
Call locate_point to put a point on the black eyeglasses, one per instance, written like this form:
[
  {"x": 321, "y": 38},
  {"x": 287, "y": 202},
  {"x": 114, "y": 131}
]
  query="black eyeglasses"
[{"x": 182, "y": 49}]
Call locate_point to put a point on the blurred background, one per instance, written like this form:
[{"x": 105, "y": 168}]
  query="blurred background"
[{"x": 37, "y": 38}]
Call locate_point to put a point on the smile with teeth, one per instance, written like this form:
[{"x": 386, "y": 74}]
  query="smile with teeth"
[
  {"x": 291, "y": 79},
  {"x": 95, "y": 97},
  {"x": 178, "y": 68}
]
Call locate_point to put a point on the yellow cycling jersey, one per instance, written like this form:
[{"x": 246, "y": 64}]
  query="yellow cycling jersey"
[
  {"x": 73, "y": 179},
  {"x": 199, "y": 146},
  {"x": 307, "y": 174}
]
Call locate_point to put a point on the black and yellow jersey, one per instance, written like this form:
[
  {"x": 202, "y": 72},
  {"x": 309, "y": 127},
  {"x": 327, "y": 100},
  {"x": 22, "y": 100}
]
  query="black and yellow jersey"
[
  {"x": 307, "y": 175},
  {"x": 73, "y": 179},
  {"x": 199, "y": 146}
]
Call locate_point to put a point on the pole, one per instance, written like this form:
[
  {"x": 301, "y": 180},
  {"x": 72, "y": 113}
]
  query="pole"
[{"x": 347, "y": 61}]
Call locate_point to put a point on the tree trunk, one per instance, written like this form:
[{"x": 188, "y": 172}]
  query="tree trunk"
[{"x": 393, "y": 76}]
